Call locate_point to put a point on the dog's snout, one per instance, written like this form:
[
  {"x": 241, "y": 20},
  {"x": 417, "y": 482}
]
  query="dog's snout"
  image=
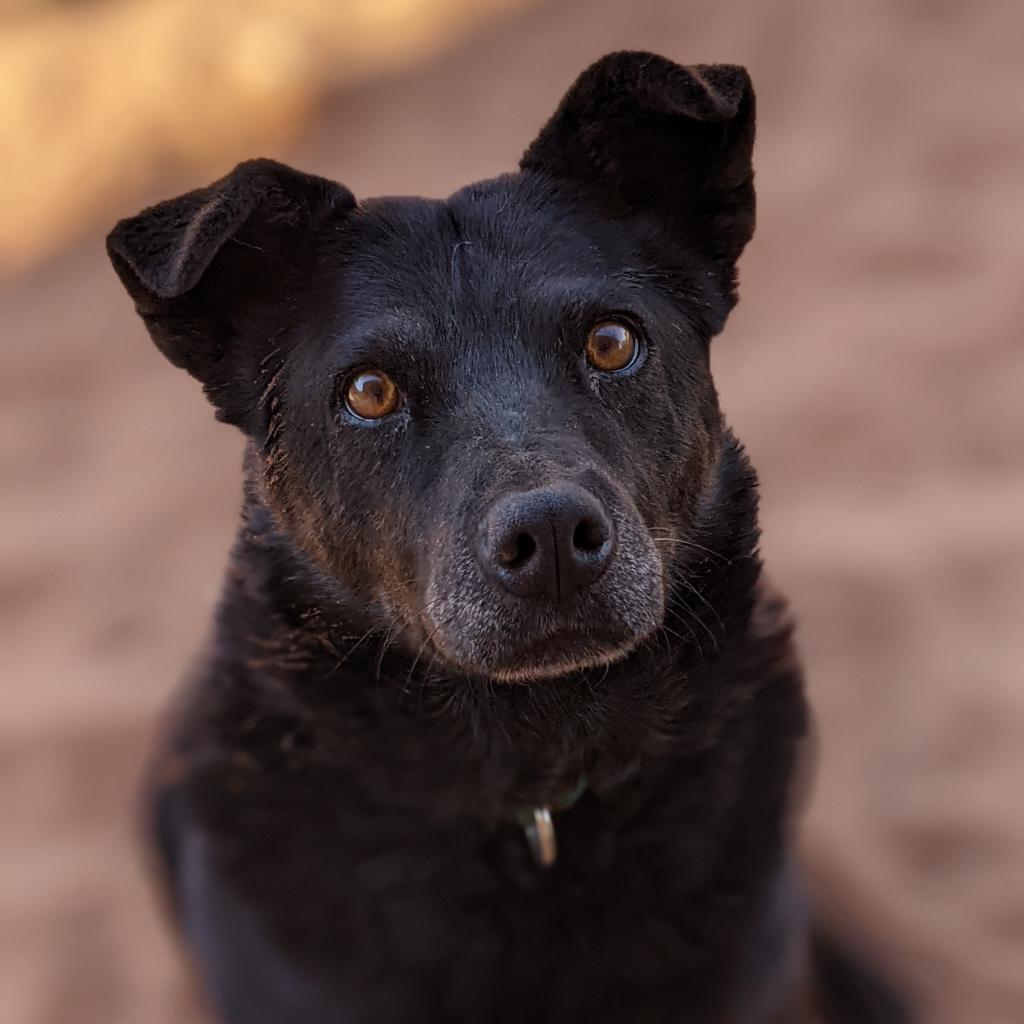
[{"x": 546, "y": 542}]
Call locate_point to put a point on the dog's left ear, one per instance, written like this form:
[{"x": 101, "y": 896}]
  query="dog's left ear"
[{"x": 639, "y": 134}]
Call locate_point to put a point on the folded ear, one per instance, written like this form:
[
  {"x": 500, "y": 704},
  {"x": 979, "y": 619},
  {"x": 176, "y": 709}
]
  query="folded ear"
[
  {"x": 211, "y": 273},
  {"x": 641, "y": 135}
]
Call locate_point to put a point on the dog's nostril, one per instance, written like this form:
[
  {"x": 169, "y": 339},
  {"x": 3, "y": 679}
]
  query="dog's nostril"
[
  {"x": 589, "y": 535},
  {"x": 517, "y": 551}
]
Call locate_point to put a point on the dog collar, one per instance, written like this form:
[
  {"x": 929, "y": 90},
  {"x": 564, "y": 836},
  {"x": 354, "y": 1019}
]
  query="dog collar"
[{"x": 539, "y": 824}]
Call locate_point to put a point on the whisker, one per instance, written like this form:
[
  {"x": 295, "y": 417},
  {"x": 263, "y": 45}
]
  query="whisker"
[
  {"x": 707, "y": 604},
  {"x": 388, "y": 641},
  {"x": 700, "y": 622},
  {"x": 416, "y": 660},
  {"x": 693, "y": 636},
  {"x": 683, "y": 542},
  {"x": 398, "y": 586},
  {"x": 348, "y": 654}
]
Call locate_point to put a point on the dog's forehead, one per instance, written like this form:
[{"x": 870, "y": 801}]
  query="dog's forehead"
[{"x": 498, "y": 240}]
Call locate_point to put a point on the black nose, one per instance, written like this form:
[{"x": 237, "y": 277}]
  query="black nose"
[{"x": 547, "y": 542}]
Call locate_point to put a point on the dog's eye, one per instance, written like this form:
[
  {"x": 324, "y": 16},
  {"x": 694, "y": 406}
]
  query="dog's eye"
[
  {"x": 611, "y": 346},
  {"x": 371, "y": 395}
]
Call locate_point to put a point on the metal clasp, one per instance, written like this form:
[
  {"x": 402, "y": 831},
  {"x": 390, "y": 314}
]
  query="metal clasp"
[{"x": 540, "y": 833}]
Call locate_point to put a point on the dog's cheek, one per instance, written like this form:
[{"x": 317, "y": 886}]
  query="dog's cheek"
[
  {"x": 459, "y": 621},
  {"x": 680, "y": 469},
  {"x": 636, "y": 588},
  {"x": 299, "y": 483},
  {"x": 301, "y": 519}
]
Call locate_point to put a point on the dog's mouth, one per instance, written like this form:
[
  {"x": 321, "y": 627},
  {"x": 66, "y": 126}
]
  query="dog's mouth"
[
  {"x": 563, "y": 654},
  {"x": 559, "y": 653}
]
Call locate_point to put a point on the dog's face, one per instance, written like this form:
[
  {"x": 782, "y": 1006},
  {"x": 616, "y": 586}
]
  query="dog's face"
[
  {"x": 489, "y": 419},
  {"x": 498, "y": 425}
]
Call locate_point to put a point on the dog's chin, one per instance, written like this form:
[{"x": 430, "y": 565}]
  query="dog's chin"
[{"x": 560, "y": 654}]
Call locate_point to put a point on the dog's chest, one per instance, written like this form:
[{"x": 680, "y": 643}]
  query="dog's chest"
[{"x": 633, "y": 916}]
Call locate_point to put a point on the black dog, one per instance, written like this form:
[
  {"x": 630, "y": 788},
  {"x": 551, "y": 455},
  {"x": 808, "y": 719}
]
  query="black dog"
[{"x": 499, "y": 723}]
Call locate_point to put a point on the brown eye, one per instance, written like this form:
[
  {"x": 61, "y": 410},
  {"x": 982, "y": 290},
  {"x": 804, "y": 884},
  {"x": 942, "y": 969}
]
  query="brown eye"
[
  {"x": 611, "y": 346},
  {"x": 371, "y": 395}
]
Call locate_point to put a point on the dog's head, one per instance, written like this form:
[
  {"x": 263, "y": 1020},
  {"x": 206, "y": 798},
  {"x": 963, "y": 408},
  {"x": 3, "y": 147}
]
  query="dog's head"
[{"x": 490, "y": 418}]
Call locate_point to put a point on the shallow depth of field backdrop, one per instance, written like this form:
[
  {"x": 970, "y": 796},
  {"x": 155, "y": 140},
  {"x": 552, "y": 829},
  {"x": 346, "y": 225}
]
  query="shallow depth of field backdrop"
[{"x": 875, "y": 368}]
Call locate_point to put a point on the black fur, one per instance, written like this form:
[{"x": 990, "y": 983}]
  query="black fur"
[{"x": 337, "y": 806}]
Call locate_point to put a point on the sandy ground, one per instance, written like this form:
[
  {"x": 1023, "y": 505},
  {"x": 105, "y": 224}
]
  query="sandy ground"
[{"x": 875, "y": 369}]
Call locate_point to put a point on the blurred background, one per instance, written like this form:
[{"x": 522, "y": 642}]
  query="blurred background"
[{"x": 875, "y": 368}]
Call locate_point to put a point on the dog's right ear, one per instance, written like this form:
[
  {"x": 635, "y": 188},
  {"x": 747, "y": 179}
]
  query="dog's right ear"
[{"x": 213, "y": 271}]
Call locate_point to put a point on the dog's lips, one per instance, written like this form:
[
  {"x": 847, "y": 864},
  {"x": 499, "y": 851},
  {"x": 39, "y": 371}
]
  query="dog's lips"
[
  {"x": 557, "y": 654},
  {"x": 566, "y": 652},
  {"x": 566, "y": 641}
]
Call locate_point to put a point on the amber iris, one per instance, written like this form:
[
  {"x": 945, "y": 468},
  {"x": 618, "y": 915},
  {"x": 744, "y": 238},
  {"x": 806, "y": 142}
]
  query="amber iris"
[
  {"x": 371, "y": 395},
  {"x": 611, "y": 346}
]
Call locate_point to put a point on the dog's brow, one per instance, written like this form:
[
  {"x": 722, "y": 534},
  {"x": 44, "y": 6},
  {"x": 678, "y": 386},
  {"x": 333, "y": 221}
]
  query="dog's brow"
[
  {"x": 397, "y": 325},
  {"x": 610, "y": 290}
]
